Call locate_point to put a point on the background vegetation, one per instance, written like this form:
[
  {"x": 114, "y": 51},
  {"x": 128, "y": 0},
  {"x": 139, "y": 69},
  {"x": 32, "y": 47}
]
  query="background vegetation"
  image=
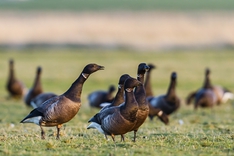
[
  {"x": 202, "y": 132},
  {"x": 105, "y": 5}
]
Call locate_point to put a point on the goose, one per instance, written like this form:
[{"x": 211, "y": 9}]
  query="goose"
[
  {"x": 97, "y": 97},
  {"x": 36, "y": 88},
  {"x": 149, "y": 95},
  {"x": 168, "y": 102},
  {"x": 15, "y": 88},
  {"x": 41, "y": 98},
  {"x": 119, "y": 97},
  {"x": 143, "y": 110},
  {"x": 205, "y": 96},
  {"x": 118, "y": 120},
  {"x": 60, "y": 109}
]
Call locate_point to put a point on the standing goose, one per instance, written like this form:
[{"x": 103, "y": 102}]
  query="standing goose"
[
  {"x": 118, "y": 120},
  {"x": 140, "y": 95},
  {"x": 222, "y": 94},
  {"x": 97, "y": 97},
  {"x": 36, "y": 88},
  {"x": 61, "y": 109},
  {"x": 41, "y": 98},
  {"x": 119, "y": 97},
  {"x": 14, "y": 87},
  {"x": 169, "y": 102},
  {"x": 205, "y": 96},
  {"x": 149, "y": 95}
]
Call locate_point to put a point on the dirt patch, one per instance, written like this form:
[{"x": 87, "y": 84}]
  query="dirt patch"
[{"x": 145, "y": 30}]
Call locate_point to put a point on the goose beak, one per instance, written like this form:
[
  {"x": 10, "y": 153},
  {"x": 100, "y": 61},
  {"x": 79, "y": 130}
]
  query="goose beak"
[
  {"x": 147, "y": 68},
  {"x": 101, "y": 67}
]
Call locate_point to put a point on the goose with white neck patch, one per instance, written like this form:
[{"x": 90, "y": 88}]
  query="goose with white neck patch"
[
  {"x": 60, "y": 109},
  {"x": 168, "y": 102},
  {"x": 118, "y": 120}
]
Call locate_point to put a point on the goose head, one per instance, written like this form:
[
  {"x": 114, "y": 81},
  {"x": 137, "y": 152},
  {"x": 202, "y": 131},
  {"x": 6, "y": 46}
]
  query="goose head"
[
  {"x": 142, "y": 68},
  {"x": 91, "y": 68},
  {"x": 173, "y": 75},
  {"x": 131, "y": 83},
  {"x": 123, "y": 78},
  {"x": 39, "y": 69},
  {"x": 151, "y": 66}
]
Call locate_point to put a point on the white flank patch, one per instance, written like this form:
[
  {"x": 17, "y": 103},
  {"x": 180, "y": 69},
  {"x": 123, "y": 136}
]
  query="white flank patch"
[
  {"x": 160, "y": 113},
  {"x": 227, "y": 96},
  {"x": 94, "y": 125},
  {"x": 105, "y": 104},
  {"x": 33, "y": 120}
]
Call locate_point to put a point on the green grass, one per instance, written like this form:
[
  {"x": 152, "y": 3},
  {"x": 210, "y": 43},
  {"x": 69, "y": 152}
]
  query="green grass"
[
  {"x": 205, "y": 132},
  {"x": 107, "y": 5}
]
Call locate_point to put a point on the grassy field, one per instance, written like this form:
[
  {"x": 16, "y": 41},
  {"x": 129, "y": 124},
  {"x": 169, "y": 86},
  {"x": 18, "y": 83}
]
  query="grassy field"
[{"x": 204, "y": 132}]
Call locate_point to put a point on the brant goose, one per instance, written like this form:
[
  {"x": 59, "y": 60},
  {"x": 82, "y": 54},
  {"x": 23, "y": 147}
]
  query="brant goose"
[
  {"x": 97, "y": 97},
  {"x": 143, "y": 110},
  {"x": 41, "y": 98},
  {"x": 149, "y": 95},
  {"x": 205, "y": 96},
  {"x": 118, "y": 120},
  {"x": 36, "y": 88},
  {"x": 119, "y": 97},
  {"x": 61, "y": 109},
  {"x": 169, "y": 102},
  {"x": 15, "y": 88}
]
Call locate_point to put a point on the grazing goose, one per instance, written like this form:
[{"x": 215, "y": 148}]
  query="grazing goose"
[
  {"x": 41, "y": 98},
  {"x": 61, "y": 109},
  {"x": 119, "y": 97},
  {"x": 143, "y": 110},
  {"x": 15, "y": 88},
  {"x": 36, "y": 88},
  {"x": 97, "y": 97},
  {"x": 205, "y": 96},
  {"x": 169, "y": 102},
  {"x": 118, "y": 120},
  {"x": 149, "y": 95}
]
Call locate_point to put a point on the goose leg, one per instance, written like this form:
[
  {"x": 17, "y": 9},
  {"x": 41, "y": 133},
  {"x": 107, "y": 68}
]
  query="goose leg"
[
  {"x": 106, "y": 136},
  {"x": 122, "y": 137},
  {"x": 42, "y": 133},
  {"x": 134, "y": 138},
  {"x": 113, "y": 137},
  {"x": 58, "y": 130}
]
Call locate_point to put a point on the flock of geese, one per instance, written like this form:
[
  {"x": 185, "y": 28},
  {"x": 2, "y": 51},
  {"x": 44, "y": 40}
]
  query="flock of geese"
[{"x": 125, "y": 112}]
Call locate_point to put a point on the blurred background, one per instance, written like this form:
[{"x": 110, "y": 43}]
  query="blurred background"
[{"x": 126, "y": 24}]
